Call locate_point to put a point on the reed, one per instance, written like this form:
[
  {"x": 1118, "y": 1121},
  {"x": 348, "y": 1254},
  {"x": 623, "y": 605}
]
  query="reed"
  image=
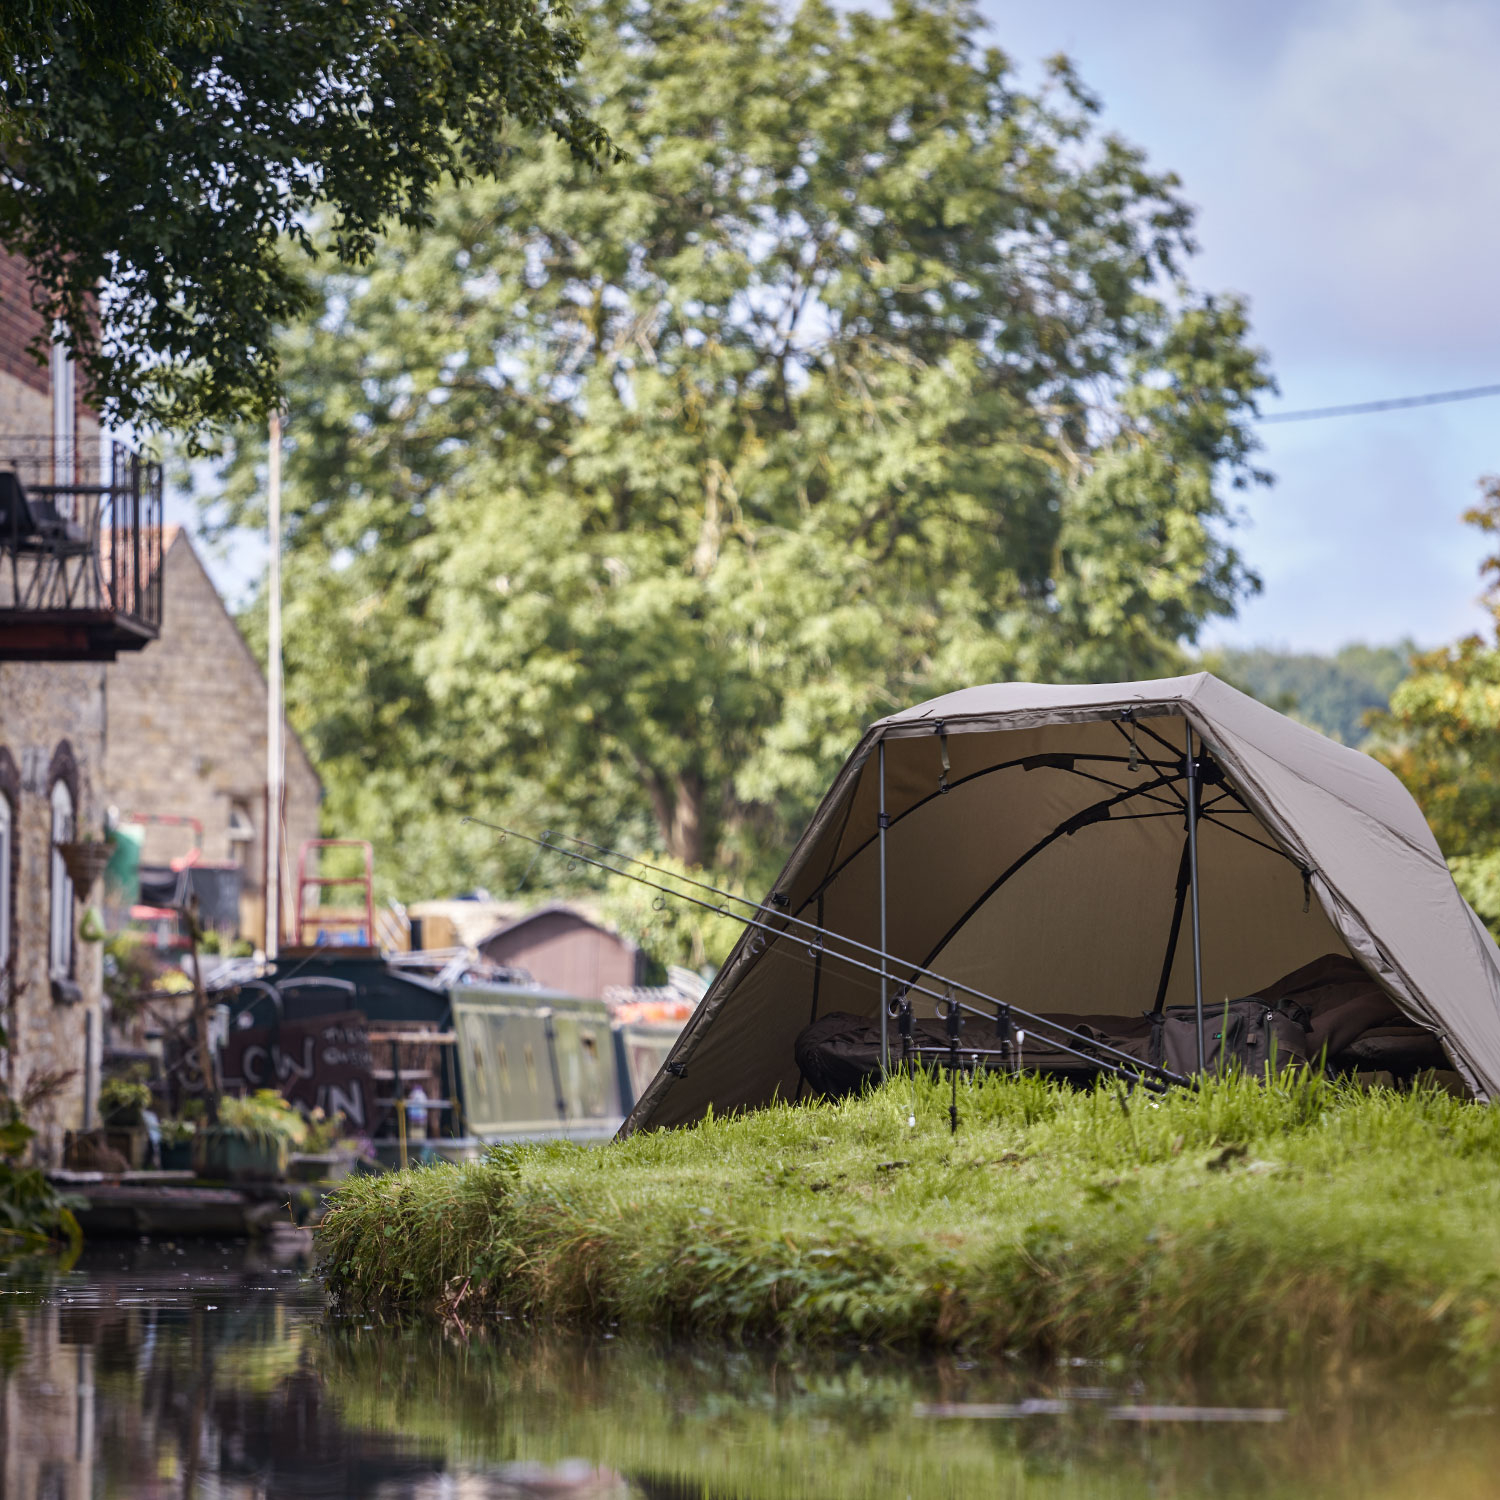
[{"x": 1244, "y": 1225}]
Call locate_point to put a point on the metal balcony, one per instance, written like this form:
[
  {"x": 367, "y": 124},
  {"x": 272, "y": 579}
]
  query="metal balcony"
[{"x": 80, "y": 550}]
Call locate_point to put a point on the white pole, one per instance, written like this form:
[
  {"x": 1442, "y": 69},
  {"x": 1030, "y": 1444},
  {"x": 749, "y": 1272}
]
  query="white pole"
[{"x": 273, "y": 699}]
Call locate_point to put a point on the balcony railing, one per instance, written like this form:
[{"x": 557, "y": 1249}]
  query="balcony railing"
[{"x": 80, "y": 549}]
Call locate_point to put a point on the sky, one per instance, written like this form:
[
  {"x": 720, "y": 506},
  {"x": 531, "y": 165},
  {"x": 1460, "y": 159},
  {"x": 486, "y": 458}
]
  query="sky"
[{"x": 1342, "y": 157}]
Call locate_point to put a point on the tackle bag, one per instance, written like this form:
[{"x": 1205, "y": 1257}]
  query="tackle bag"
[{"x": 1243, "y": 1034}]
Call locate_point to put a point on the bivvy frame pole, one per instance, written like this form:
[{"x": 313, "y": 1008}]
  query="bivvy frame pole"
[
  {"x": 1191, "y": 768},
  {"x": 885, "y": 1024},
  {"x": 1151, "y": 1075}
]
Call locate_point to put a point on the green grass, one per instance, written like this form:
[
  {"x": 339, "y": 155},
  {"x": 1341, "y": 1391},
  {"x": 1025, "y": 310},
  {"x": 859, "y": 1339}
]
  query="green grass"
[{"x": 1243, "y": 1226}]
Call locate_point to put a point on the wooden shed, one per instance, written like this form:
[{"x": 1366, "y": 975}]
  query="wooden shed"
[{"x": 566, "y": 950}]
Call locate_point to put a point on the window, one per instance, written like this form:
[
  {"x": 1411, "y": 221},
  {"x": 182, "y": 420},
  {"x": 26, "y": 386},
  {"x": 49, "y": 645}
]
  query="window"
[
  {"x": 60, "y": 948},
  {"x": 241, "y": 829}
]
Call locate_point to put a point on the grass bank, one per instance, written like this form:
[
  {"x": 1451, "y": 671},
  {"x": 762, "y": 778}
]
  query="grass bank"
[{"x": 1242, "y": 1226}]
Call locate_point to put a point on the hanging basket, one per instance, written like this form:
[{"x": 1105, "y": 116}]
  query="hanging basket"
[{"x": 84, "y": 860}]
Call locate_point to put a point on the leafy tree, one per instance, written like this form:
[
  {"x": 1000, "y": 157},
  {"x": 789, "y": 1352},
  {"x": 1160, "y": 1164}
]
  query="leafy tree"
[
  {"x": 625, "y": 500},
  {"x": 157, "y": 157},
  {"x": 1442, "y": 738},
  {"x": 1336, "y": 694}
]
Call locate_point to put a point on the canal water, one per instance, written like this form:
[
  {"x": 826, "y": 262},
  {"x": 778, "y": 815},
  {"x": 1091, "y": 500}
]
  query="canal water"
[{"x": 159, "y": 1370}]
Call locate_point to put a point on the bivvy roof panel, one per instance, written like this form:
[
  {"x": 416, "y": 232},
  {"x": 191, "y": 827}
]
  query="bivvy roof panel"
[{"x": 1036, "y": 850}]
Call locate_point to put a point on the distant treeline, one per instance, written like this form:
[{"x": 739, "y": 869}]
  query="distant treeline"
[{"x": 1332, "y": 693}]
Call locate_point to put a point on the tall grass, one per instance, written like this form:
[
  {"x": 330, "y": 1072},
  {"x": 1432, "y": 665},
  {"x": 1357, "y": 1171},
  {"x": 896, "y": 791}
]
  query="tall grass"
[{"x": 1247, "y": 1225}]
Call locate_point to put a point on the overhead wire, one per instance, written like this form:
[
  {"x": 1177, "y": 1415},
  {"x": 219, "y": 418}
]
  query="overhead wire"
[{"x": 1394, "y": 403}]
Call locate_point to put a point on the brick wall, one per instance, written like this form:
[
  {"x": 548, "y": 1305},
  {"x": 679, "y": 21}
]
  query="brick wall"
[
  {"x": 187, "y": 736},
  {"x": 44, "y": 707},
  {"x": 19, "y": 325}
]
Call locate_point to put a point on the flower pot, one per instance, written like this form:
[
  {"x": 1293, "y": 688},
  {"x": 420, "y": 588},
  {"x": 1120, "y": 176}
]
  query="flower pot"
[
  {"x": 229, "y": 1155},
  {"x": 84, "y": 860},
  {"x": 320, "y": 1166},
  {"x": 177, "y": 1156},
  {"x": 131, "y": 1141}
]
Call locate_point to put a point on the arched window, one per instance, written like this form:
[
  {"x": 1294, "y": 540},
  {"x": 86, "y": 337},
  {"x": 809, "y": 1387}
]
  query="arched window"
[{"x": 60, "y": 948}]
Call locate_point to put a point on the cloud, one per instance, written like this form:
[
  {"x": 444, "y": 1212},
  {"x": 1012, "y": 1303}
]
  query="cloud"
[{"x": 1368, "y": 195}]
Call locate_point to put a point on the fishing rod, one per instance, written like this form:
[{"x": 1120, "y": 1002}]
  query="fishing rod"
[
  {"x": 1151, "y": 1075},
  {"x": 776, "y": 914}
]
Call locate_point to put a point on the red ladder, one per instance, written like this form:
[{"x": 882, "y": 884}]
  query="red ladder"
[{"x": 336, "y": 918}]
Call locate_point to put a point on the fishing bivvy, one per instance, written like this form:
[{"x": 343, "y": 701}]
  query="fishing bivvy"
[{"x": 1065, "y": 860}]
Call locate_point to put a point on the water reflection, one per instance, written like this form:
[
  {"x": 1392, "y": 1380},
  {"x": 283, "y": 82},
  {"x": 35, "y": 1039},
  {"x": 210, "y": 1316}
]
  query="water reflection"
[{"x": 156, "y": 1372}]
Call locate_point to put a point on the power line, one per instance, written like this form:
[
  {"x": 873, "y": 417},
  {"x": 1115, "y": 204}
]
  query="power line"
[{"x": 1360, "y": 408}]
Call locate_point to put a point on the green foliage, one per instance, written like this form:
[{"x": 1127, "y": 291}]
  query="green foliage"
[
  {"x": 177, "y": 1132},
  {"x": 1336, "y": 694},
  {"x": 673, "y": 931},
  {"x": 133, "y": 971},
  {"x": 1442, "y": 738},
  {"x": 122, "y": 1099},
  {"x": 155, "y": 192},
  {"x": 623, "y": 501},
  {"x": 1243, "y": 1225},
  {"x": 128, "y": 39},
  {"x": 263, "y": 1116},
  {"x": 34, "y": 1216}
]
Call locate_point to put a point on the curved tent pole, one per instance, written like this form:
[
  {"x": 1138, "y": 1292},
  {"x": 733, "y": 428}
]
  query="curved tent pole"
[
  {"x": 1060, "y": 761},
  {"x": 1095, "y": 812},
  {"x": 1179, "y": 902}
]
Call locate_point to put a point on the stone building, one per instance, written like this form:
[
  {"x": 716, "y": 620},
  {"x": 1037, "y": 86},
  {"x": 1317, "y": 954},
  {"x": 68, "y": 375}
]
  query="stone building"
[
  {"x": 186, "y": 743},
  {"x": 80, "y": 537}
]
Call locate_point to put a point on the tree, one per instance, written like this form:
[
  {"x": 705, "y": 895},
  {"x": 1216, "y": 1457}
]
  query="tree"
[
  {"x": 1442, "y": 738},
  {"x": 157, "y": 165},
  {"x": 625, "y": 500},
  {"x": 1336, "y": 694}
]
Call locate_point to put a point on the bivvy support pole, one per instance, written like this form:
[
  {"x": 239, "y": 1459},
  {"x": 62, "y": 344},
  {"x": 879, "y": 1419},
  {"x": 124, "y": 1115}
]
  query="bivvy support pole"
[
  {"x": 885, "y": 1023},
  {"x": 1192, "y": 832}
]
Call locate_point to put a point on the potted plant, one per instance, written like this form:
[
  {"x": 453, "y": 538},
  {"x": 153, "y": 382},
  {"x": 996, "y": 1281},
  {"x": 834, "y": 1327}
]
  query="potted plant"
[
  {"x": 329, "y": 1153},
  {"x": 251, "y": 1139},
  {"x": 122, "y": 1104},
  {"x": 177, "y": 1145}
]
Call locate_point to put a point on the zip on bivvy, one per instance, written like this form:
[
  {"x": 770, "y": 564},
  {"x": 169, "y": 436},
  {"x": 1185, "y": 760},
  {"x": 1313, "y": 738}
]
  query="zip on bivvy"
[{"x": 822, "y": 943}]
